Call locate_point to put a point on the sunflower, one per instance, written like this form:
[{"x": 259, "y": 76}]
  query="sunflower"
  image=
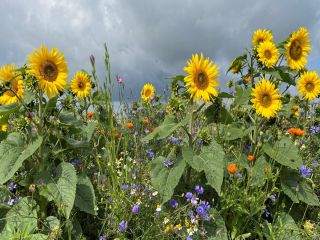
[
  {"x": 268, "y": 53},
  {"x": 202, "y": 78},
  {"x": 3, "y": 128},
  {"x": 309, "y": 85},
  {"x": 147, "y": 92},
  {"x": 50, "y": 68},
  {"x": 266, "y": 99},
  {"x": 81, "y": 85},
  {"x": 261, "y": 35},
  {"x": 7, "y": 73},
  {"x": 13, "y": 81},
  {"x": 297, "y": 49}
]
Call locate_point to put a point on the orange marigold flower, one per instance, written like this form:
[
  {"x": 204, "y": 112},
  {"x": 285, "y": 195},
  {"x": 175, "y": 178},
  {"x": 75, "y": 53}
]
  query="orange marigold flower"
[
  {"x": 250, "y": 158},
  {"x": 232, "y": 168},
  {"x": 146, "y": 121},
  {"x": 129, "y": 125},
  {"x": 90, "y": 114},
  {"x": 153, "y": 129},
  {"x": 292, "y": 131},
  {"x": 299, "y": 132}
]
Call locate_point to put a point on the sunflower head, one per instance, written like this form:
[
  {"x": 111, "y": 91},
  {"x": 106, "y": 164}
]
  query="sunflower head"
[
  {"x": 13, "y": 82},
  {"x": 81, "y": 85},
  {"x": 202, "y": 78},
  {"x": 7, "y": 73},
  {"x": 309, "y": 85},
  {"x": 50, "y": 68},
  {"x": 260, "y": 36},
  {"x": 266, "y": 99},
  {"x": 147, "y": 92},
  {"x": 268, "y": 53},
  {"x": 297, "y": 49}
]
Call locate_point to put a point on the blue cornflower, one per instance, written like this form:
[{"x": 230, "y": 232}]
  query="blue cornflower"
[
  {"x": 188, "y": 238},
  {"x": 135, "y": 209},
  {"x": 167, "y": 163},
  {"x": 189, "y": 195},
  {"x": 124, "y": 187},
  {"x": 175, "y": 140},
  {"x": 102, "y": 237},
  {"x": 11, "y": 201},
  {"x": 199, "y": 189},
  {"x": 305, "y": 172},
  {"x": 12, "y": 186},
  {"x": 315, "y": 162},
  {"x": 123, "y": 225},
  {"x": 75, "y": 162},
  {"x": 201, "y": 210},
  {"x": 266, "y": 212},
  {"x": 173, "y": 203},
  {"x": 134, "y": 186},
  {"x": 273, "y": 198},
  {"x": 315, "y": 129},
  {"x": 150, "y": 154}
]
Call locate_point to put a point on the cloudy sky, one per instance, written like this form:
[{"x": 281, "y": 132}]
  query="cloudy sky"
[{"x": 149, "y": 41}]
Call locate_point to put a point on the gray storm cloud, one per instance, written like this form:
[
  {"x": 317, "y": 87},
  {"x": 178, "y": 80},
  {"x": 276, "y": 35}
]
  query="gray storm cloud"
[{"x": 148, "y": 40}]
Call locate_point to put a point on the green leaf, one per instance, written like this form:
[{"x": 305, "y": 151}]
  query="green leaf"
[
  {"x": 51, "y": 104},
  {"x": 85, "y": 197},
  {"x": 37, "y": 236},
  {"x": 257, "y": 172},
  {"x": 233, "y": 132},
  {"x": 225, "y": 95},
  {"x": 285, "y": 228},
  {"x": 7, "y": 109},
  {"x": 236, "y": 61},
  {"x": 89, "y": 130},
  {"x": 242, "y": 95},
  {"x": 28, "y": 96},
  {"x": 284, "y": 152},
  {"x": 166, "y": 179},
  {"x": 296, "y": 188},
  {"x": 216, "y": 228},
  {"x": 12, "y": 154},
  {"x": 72, "y": 143},
  {"x": 63, "y": 187},
  {"x": 223, "y": 116},
  {"x": 52, "y": 224},
  {"x": 166, "y": 128},
  {"x": 212, "y": 161},
  {"x": 23, "y": 216},
  {"x": 69, "y": 119}
]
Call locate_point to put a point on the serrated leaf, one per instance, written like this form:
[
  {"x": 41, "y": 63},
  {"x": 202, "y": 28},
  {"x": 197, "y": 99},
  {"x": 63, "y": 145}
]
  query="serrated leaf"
[
  {"x": 296, "y": 188},
  {"x": 63, "y": 187},
  {"x": 225, "y": 95},
  {"x": 166, "y": 128},
  {"x": 257, "y": 172},
  {"x": 166, "y": 179},
  {"x": 51, "y": 104},
  {"x": 284, "y": 152},
  {"x": 285, "y": 227},
  {"x": 212, "y": 161},
  {"x": 85, "y": 197},
  {"x": 233, "y": 132},
  {"x": 13, "y": 154},
  {"x": 242, "y": 95},
  {"x": 216, "y": 228}
]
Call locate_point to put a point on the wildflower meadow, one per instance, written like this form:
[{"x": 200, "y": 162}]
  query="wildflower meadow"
[{"x": 233, "y": 162}]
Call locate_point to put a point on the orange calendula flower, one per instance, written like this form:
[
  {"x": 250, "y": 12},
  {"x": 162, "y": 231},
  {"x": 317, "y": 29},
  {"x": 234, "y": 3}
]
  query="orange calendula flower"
[
  {"x": 292, "y": 131},
  {"x": 90, "y": 114},
  {"x": 146, "y": 121},
  {"x": 232, "y": 168},
  {"x": 299, "y": 132},
  {"x": 129, "y": 125},
  {"x": 250, "y": 158}
]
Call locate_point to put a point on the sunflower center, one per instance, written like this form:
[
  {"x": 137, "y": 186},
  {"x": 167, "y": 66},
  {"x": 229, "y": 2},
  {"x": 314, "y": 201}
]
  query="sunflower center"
[
  {"x": 81, "y": 85},
  {"x": 309, "y": 87},
  {"x": 202, "y": 81},
  {"x": 49, "y": 71},
  {"x": 266, "y": 100},
  {"x": 147, "y": 93},
  {"x": 267, "y": 54},
  {"x": 295, "y": 50}
]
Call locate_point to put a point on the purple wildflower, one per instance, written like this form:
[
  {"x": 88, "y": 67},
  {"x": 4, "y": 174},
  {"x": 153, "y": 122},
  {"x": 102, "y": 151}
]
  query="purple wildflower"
[
  {"x": 134, "y": 187},
  {"x": 102, "y": 237},
  {"x": 188, "y": 238},
  {"x": 173, "y": 203},
  {"x": 199, "y": 189},
  {"x": 12, "y": 186},
  {"x": 315, "y": 129},
  {"x": 119, "y": 79},
  {"x": 315, "y": 162},
  {"x": 305, "y": 172},
  {"x": 135, "y": 209},
  {"x": 175, "y": 140},
  {"x": 151, "y": 154},
  {"x": 123, "y": 225},
  {"x": 11, "y": 201},
  {"x": 273, "y": 198},
  {"x": 167, "y": 163},
  {"x": 194, "y": 200},
  {"x": 266, "y": 212},
  {"x": 124, "y": 187},
  {"x": 189, "y": 195}
]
